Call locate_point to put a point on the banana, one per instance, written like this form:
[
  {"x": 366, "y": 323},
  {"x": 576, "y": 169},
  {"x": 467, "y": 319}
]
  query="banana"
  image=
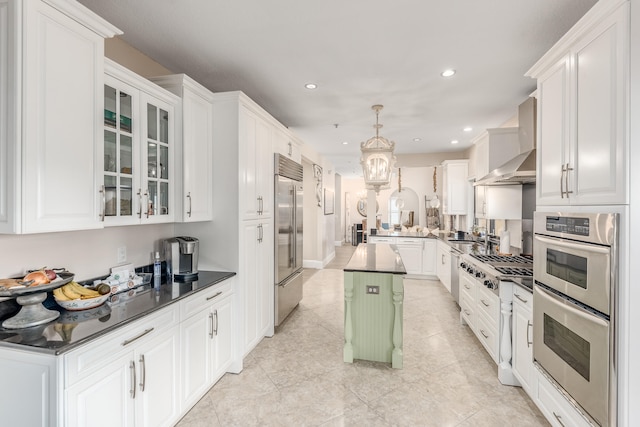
[
  {"x": 70, "y": 292},
  {"x": 84, "y": 292},
  {"x": 60, "y": 295}
]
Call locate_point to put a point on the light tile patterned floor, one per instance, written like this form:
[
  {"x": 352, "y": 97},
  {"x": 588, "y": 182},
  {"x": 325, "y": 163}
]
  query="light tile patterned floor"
[{"x": 298, "y": 377}]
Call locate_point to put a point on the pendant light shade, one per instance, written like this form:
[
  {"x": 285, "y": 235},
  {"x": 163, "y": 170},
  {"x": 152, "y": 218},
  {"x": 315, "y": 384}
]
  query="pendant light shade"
[{"x": 377, "y": 158}]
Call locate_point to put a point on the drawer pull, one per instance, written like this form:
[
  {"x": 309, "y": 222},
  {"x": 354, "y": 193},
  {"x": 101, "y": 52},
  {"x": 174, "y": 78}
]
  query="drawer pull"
[
  {"x": 467, "y": 286},
  {"x": 520, "y": 298},
  {"x": 485, "y": 303},
  {"x": 132, "y": 370},
  {"x": 529, "y": 342},
  {"x": 214, "y": 296},
  {"x": 484, "y": 334},
  {"x": 467, "y": 312},
  {"x": 558, "y": 417},
  {"x": 129, "y": 341}
]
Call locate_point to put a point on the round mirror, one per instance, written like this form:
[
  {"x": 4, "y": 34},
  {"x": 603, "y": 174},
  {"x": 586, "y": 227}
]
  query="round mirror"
[{"x": 362, "y": 207}]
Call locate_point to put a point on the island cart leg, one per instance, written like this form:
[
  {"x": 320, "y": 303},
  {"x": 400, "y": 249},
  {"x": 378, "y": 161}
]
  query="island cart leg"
[
  {"x": 398, "y": 297},
  {"x": 348, "y": 322}
]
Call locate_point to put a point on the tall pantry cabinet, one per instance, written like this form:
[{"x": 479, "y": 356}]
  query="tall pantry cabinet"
[
  {"x": 51, "y": 97},
  {"x": 240, "y": 237}
]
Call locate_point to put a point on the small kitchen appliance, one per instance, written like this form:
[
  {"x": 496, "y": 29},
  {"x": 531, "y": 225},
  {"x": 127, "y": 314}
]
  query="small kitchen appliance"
[{"x": 181, "y": 256}]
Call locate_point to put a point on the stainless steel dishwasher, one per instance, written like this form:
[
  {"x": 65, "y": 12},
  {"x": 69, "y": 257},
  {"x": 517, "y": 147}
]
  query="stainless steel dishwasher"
[{"x": 455, "y": 279}]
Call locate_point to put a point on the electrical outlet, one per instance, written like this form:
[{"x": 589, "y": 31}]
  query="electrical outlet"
[
  {"x": 122, "y": 254},
  {"x": 373, "y": 290}
]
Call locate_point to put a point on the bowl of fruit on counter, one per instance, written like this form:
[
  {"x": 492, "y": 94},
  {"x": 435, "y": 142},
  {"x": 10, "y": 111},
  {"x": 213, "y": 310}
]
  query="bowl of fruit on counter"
[{"x": 73, "y": 296}]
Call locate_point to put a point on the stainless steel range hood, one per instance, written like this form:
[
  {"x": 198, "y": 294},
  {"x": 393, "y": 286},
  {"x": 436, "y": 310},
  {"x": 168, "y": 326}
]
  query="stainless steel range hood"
[{"x": 519, "y": 170}]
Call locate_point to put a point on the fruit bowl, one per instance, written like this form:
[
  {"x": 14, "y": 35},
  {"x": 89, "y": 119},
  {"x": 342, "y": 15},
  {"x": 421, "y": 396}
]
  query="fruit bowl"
[{"x": 82, "y": 304}]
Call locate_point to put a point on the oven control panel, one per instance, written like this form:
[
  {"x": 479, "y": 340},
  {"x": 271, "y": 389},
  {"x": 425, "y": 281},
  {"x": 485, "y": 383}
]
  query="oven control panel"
[{"x": 568, "y": 225}]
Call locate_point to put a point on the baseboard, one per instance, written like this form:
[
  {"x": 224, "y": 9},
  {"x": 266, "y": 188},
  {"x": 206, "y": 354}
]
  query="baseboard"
[
  {"x": 328, "y": 259},
  {"x": 338, "y": 242},
  {"x": 312, "y": 264}
]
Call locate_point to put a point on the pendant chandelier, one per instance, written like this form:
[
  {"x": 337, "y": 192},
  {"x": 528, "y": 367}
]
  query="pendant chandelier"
[{"x": 377, "y": 158}]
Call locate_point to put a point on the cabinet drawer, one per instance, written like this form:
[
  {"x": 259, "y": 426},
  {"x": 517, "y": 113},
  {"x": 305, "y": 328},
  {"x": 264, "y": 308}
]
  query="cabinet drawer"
[
  {"x": 523, "y": 297},
  {"x": 389, "y": 240},
  {"x": 555, "y": 406},
  {"x": 408, "y": 241},
  {"x": 200, "y": 300},
  {"x": 90, "y": 357},
  {"x": 489, "y": 304},
  {"x": 488, "y": 335},
  {"x": 467, "y": 288},
  {"x": 467, "y": 310}
]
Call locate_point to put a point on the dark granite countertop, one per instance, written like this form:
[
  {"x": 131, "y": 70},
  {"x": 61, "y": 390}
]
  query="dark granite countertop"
[
  {"x": 56, "y": 338},
  {"x": 376, "y": 258}
]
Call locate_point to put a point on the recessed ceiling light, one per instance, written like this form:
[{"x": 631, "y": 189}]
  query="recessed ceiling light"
[
  {"x": 345, "y": 142},
  {"x": 448, "y": 73},
  {"x": 468, "y": 129},
  {"x": 455, "y": 141},
  {"x": 311, "y": 86},
  {"x": 417, "y": 139}
]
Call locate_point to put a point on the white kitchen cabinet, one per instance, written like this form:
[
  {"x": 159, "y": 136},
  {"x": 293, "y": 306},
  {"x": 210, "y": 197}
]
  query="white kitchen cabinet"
[
  {"x": 256, "y": 165},
  {"x": 139, "y": 149},
  {"x": 258, "y": 281},
  {"x": 468, "y": 310},
  {"x": 206, "y": 337},
  {"x": 454, "y": 187},
  {"x": 582, "y": 108},
  {"x": 51, "y": 63},
  {"x": 554, "y": 406},
  {"x": 285, "y": 144},
  {"x": 498, "y": 202},
  {"x": 443, "y": 264},
  {"x": 195, "y": 127},
  {"x": 493, "y": 148},
  {"x": 522, "y": 339},
  {"x": 135, "y": 371},
  {"x": 429, "y": 257}
]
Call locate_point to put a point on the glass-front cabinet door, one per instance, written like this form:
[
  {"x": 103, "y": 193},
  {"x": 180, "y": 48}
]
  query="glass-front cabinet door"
[
  {"x": 158, "y": 154},
  {"x": 138, "y": 152},
  {"x": 121, "y": 159}
]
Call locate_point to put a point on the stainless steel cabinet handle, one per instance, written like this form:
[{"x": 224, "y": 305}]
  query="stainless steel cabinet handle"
[
  {"x": 442, "y": 259},
  {"x": 529, "y": 325},
  {"x": 104, "y": 203},
  {"x": 467, "y": 286},
  {"x": 129, "y": 341},
  {"x": 143, "y": 373},
  {"x": 566, "y": 180},
  {"x": 215, "y": 315},
  {"x": 559, "y": 418},
  {"x": 290, "y": 149},
  {"x": 139, "y": 194},
  {"x": 484, "y": 303},
  {"x": 132, "y": 371},
  {"x": 562, "y": 182},
  {"x": 467, "y": 312},
  {"x": 483, "y": 333},
  {"x": 189, "y": 210},
  {"x": 146, "y": 193},
  {"x": 210, "y": 325},
  {"x": 520, "y": 298},
  {"x": 214, "y": 296}
]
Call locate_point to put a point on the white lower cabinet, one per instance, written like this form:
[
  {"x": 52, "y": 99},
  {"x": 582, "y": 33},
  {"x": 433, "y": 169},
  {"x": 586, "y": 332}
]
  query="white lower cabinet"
[
  {"x": 522, "y": 338},
  {"x": 411, "y": 253},
  {"x": 443, "y": 264},
  {"x": 206, "y": 343},
  {"x": 418, "y": 253},
  {"x": 555, "y": 407}
]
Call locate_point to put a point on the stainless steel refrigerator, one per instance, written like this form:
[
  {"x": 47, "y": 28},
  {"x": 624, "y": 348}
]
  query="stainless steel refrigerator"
[{"x": 288, "y": 236}]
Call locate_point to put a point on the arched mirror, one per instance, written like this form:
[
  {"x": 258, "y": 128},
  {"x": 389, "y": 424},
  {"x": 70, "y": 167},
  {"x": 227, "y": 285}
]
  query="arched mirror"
[
  {"x": 362, "y": 207},
  {"x": 403, "y": 208}
]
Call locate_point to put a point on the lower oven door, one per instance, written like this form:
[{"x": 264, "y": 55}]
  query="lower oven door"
[{"x": 572, "y": 345}]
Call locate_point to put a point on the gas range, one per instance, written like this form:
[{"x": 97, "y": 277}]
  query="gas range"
[{"x": 491, "y": 269}]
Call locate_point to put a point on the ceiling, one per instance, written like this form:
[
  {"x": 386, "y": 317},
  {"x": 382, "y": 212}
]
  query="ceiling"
[{"x": 359, "y": 53}]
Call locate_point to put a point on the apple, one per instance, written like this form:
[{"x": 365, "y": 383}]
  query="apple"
[{"x": 51, "y": 275}]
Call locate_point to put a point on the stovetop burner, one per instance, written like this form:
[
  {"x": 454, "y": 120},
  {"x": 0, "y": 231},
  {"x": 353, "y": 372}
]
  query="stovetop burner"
[
  {"x": 515, "y": 271},
  {"x": 503, "y": 259}
]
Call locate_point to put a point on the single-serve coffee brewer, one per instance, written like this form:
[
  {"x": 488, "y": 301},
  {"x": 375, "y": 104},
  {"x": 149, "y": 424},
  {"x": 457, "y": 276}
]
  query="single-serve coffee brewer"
[{"x": 181, "y": 255}]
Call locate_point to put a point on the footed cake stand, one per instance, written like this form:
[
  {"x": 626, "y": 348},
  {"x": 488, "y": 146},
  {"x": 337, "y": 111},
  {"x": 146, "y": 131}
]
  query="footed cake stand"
[{"x": 32, "y": 312}]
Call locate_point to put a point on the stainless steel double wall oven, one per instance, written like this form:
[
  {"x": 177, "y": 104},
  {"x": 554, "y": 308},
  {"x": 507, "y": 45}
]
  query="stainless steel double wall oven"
[{"x": 575, "y": 281}]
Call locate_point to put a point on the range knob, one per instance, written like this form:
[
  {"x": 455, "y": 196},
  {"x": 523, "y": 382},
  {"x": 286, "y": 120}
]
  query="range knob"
[
  {"x": 480, "y": 274},
  {"x": 463, "y": 265},
  {"x": 470, "y": 270},
  {"x": 490, "y": 284}
]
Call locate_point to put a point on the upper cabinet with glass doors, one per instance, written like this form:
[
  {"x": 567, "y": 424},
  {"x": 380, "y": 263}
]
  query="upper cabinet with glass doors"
[{"x": 139, "y": 146}]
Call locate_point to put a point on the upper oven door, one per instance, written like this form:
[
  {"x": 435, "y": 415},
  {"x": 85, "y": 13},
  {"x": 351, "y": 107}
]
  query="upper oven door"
[{"x": 579, "y": 270}]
